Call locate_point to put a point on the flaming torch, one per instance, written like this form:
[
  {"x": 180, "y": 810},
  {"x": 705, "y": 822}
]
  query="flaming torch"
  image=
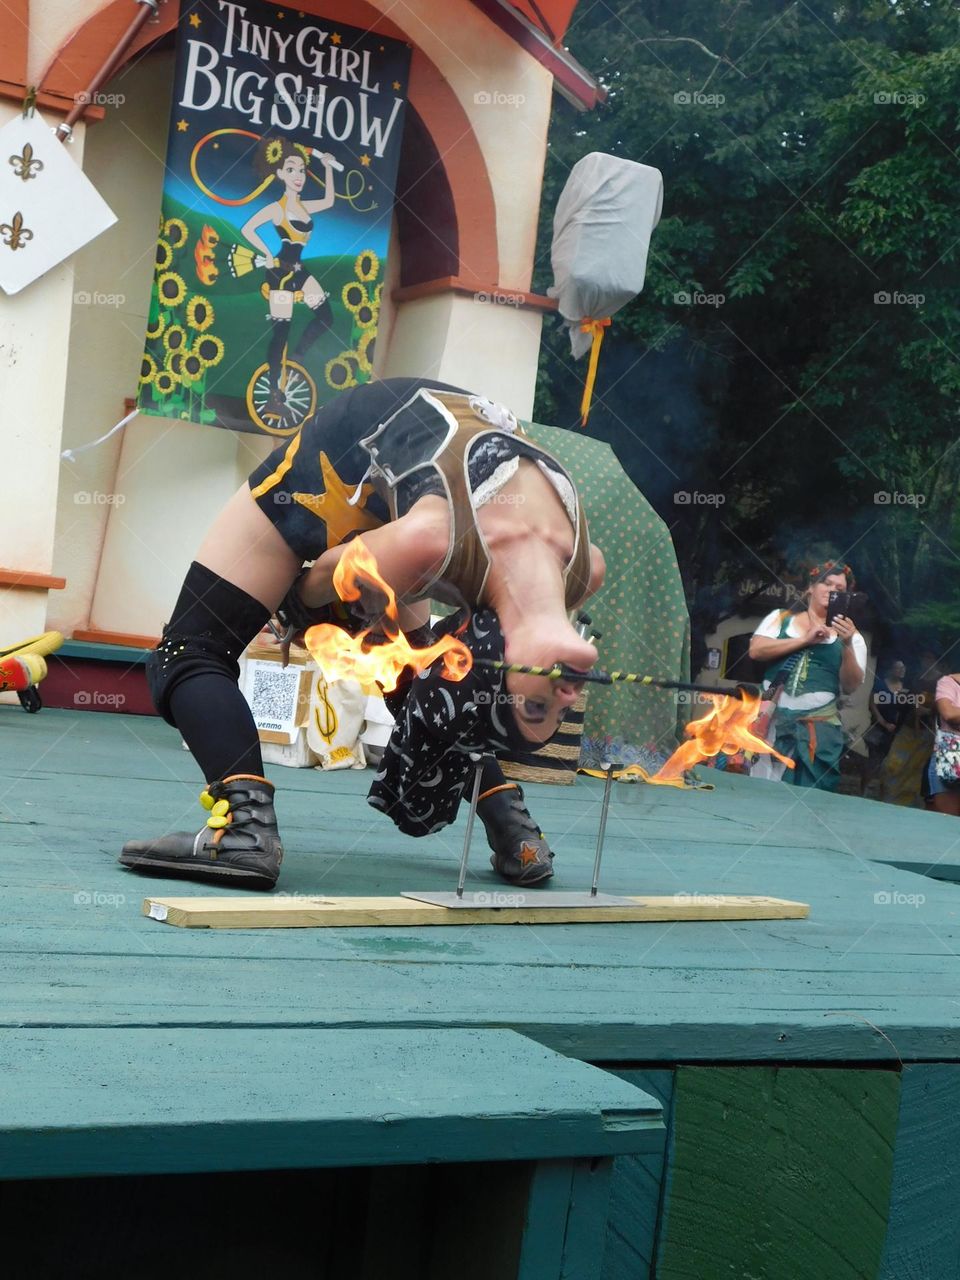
[{"x": 342, "y": 656}]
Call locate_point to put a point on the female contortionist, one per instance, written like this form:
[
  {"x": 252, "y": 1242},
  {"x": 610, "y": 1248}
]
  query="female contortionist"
[{"x": 455, "y": 504}]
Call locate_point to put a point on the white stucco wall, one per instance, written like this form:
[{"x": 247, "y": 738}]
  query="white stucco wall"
[{"x": 34, "y": 335}]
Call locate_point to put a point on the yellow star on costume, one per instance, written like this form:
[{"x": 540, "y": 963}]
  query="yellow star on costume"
[
  {"x": 336, "y": 38},
  {"x": 364, "y": 159},
  {"x": 332, "y": 507},
  {"x": 194, "y": 19},
  {"x": 182, "y": 126},
  {"x": 528, "y": 853},
  {"x": 396, "y": 85}
]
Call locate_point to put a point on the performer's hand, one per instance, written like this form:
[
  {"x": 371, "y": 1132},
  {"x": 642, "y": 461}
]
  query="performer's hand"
[{"x": 815, "y": 634}]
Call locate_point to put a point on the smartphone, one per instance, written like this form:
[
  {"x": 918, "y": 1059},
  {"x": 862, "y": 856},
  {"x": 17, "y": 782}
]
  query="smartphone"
[{"x": 838, "y": 602}]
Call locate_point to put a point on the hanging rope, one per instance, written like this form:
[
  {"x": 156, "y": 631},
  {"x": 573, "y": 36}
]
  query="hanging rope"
[{"x": 596, "y": 327}]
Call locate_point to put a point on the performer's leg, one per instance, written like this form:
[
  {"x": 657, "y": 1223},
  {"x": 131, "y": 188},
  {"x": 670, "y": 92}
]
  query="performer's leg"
[
  {"x": 520, "y": 853},
  {"x": 193, "y": 677}
]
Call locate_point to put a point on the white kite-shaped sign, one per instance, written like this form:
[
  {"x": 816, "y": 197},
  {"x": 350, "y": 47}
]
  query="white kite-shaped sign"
[{"x": 49, "y": 208}]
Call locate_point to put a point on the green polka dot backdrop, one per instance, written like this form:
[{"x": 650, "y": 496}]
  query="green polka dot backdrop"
[{"x": 640, "y": 612}]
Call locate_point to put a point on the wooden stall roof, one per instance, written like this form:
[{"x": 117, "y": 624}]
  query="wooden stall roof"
[{"x": 870, "y": 976}]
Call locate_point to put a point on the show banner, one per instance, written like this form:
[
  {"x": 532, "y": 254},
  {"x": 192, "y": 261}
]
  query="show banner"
[{"x": 285, "y": 137}]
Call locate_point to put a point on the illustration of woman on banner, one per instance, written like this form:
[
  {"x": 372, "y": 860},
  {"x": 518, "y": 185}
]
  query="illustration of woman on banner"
[{"x": 282, "y": 394}]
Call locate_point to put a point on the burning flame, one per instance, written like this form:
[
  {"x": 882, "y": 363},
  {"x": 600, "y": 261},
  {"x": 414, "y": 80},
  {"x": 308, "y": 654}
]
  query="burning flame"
[
  {"x": 342, "y": 656},
  {"x": 726, "y": 728}
]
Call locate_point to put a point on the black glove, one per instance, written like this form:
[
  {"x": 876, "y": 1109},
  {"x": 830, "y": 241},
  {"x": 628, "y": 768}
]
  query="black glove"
[{"x": 295, "y": 616}]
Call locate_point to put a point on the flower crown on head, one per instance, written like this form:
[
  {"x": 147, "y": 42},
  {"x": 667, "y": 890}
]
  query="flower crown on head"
[{"x": 830, "y": 566}]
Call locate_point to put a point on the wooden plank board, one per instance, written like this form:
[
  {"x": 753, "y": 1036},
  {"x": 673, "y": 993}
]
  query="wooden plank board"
[
  {"x": 75, "y": 1103},
  {"x": 923, "y": 1236},
  {"x": 267, "y": 912},
  {"x": 778, "y": 1173}
]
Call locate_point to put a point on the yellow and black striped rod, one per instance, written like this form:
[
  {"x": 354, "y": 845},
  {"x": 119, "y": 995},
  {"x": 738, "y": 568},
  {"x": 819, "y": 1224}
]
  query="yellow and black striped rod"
[{"x": 612, "y": 677}]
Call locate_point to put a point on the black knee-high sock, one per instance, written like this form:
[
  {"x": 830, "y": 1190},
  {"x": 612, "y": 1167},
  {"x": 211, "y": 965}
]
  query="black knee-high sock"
[
  {"x": 319, "y": 322},
  {"x": 491, "y": 775},
  {"x": 195, "y": 673},
  {"x": 217, "y": 726},
  {"x": 278, "y": 339}
]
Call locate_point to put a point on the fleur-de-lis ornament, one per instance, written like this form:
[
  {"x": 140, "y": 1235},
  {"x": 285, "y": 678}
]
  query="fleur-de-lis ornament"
[
  {"x": 14, "y": 233},
  {"x": 26, "y": 165}
]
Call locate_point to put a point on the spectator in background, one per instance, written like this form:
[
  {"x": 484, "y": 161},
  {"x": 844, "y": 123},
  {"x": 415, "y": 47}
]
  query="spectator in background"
[
  {"x": 942, "y": 796},
  {"x": 888, "y": 708},
  {"x": 813, "y": 664}
]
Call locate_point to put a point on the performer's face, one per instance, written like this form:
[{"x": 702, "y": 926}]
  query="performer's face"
[
  {"x": 293, "y": 174},
  {"x": 539, "y": 704}
]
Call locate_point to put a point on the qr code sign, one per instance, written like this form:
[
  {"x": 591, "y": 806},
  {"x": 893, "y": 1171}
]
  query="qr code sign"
[{"x": 272, "y": 693}]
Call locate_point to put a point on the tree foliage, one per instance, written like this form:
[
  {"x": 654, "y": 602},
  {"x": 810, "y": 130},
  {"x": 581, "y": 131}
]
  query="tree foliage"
[{"x": 811, "y": 162}]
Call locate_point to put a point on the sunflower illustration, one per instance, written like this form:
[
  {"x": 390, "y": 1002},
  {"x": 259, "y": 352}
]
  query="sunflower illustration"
[
  {"x": 175, "y": 229},
  {"x": 304, "y": 151},
  {"x": 164, "y": 255},
  {"x": 208, "y": 350},
  {"x": 366, "y": 316},
  {"x": 175, "y": 338},
  {"x": 171, "y": 289},
  {"x": 365, "y": 348},
  {"x": 354, "y": 295},
  {"x": 200, "y": 313},
  {"x": 367, "y": 265},
  {"x": 378, "y": 294},
  {"x": 156, "y": 327},
  {"x": 339, "y": 372},
  {"x": 165, "y": 382},
  {"x": 148, "y": 370},
  {"x": 174, "y": 362},
  {"x": 273, "y": 151},
  {"x": 192, "y": 367}
]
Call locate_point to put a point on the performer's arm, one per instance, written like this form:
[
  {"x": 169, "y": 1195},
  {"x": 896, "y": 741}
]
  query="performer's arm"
[
  {"x": 251, "y": 226},
  {"x": 409, "y": 552},
  {"x": 329, "y": 194}
]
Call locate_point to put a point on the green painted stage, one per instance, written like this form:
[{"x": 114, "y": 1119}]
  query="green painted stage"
[{"x": 808, "y": 1071}]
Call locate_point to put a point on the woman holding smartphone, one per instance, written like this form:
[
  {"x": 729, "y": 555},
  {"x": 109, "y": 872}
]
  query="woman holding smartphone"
[{"x": 814, "y": 655}]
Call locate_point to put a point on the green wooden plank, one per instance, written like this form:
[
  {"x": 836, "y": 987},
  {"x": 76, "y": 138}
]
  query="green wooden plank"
[
  {"x": 923, "y": 1236},
  {"x": 586, "y": 1227},
  {"x": 859, "y": 980},
  {"x": 545, "y": 1222},
  {"x": 146, "y": 1101},
  {"x": 635, "y": 1192},
  {"x": 125, "y": 653},
  {"x": 778, "y": 1174}
]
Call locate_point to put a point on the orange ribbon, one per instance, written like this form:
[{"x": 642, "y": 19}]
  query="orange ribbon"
[{"x": 596, "y": 327}]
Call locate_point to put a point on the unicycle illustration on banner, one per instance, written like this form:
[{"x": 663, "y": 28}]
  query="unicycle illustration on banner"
[{"x": 281, "y": 394}]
